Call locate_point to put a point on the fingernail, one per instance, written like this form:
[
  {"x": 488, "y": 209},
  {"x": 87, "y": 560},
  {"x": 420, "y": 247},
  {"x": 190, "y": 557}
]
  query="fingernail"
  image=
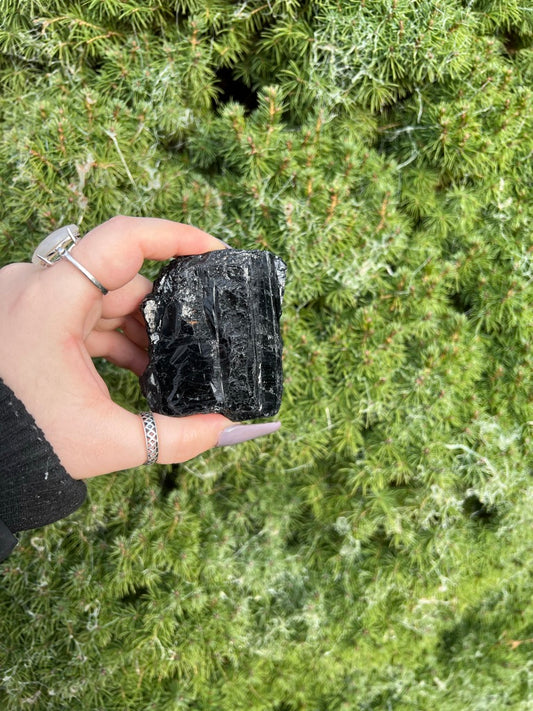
[{"x": 242, "y": 433}]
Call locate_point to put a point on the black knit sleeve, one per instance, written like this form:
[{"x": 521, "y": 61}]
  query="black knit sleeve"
[{"x": 35, "y": 489}]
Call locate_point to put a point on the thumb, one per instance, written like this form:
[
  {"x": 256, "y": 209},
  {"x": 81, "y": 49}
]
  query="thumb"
[
  {"x": 115, "y": 440},
  {"x": 182, "y": 438}
]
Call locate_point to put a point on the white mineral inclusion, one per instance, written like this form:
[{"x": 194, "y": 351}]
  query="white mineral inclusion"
[
  {"x": 149, "y": 310},
  {"x": 188, "y": 311}
]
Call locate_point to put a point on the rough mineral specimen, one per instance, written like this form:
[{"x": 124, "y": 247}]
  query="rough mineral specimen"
[{"x": 215, "y": 343}]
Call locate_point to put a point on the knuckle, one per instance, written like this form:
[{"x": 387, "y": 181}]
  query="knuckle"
[
  {"x": 11, "y": 271},
  {"x": 119, "y": 222},
  {"x": 19, "y": 283}
]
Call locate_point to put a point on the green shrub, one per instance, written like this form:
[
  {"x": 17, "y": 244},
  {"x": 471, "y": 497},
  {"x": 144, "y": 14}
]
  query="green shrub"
[{"x": 377, "y": 553}]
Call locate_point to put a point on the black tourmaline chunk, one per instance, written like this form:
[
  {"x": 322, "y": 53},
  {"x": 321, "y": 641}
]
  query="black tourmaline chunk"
[{"x": 215, "y": 343}]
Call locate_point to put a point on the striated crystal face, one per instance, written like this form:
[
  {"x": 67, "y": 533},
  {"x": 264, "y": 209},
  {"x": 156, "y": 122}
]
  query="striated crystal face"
[{"x": 215, "y": 342}]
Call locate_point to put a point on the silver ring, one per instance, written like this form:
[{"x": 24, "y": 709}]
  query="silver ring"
[
  {"x": 56, "y": 246},
  {"x": 67, "y": 255},
  {"x": 150, "y": 435},
  {"x": 47, "y": 251}
]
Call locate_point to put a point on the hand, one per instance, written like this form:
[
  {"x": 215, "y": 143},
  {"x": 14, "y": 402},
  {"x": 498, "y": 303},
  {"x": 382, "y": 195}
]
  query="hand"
[{"x": 54, "y": 321}]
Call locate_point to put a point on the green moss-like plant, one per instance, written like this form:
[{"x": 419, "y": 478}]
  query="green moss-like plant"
[{"x": 376, "y": 554}]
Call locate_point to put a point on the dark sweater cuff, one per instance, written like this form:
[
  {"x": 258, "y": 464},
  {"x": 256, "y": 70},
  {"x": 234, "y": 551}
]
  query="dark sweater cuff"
[
  {"x": 35, "y": 489},
  {"x": 7, "y": 541}
]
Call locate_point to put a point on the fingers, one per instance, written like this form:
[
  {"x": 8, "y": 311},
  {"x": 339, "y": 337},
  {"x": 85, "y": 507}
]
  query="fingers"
[
  {"x": 114, "y": 251},
  {"x": 131, "y": 326},
  {"x": 118, "y": 349},
  {"x": 127, "y": 299},
  {"x": 135, "y": 330}
]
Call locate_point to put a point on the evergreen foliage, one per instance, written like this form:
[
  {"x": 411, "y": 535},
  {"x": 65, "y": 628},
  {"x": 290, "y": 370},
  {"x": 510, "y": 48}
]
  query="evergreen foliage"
[{"x": 376, "y": 554}]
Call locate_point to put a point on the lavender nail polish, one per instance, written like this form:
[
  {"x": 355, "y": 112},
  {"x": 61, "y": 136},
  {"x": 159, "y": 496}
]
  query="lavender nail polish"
[{"x": 235, "y": 434}]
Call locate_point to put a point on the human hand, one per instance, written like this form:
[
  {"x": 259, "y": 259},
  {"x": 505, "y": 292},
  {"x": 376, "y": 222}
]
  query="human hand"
[{"x": 55, "y": 321}]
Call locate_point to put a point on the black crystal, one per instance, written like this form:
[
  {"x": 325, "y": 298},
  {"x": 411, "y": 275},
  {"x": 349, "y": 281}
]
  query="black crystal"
[{"x": 214, "y": 336}]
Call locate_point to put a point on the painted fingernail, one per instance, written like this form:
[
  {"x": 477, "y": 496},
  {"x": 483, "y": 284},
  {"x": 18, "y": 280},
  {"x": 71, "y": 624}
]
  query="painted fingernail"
[{"x": 242, "y": 433}]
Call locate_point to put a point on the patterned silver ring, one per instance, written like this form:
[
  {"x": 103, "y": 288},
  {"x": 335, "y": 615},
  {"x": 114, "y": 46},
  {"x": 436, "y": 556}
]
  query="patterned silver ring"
[{"x": 150, "y": 435}]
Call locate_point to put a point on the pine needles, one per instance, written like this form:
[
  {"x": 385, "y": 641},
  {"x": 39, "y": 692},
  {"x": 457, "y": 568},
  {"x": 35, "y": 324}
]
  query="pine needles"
[{"x": 376, "y": 554}]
